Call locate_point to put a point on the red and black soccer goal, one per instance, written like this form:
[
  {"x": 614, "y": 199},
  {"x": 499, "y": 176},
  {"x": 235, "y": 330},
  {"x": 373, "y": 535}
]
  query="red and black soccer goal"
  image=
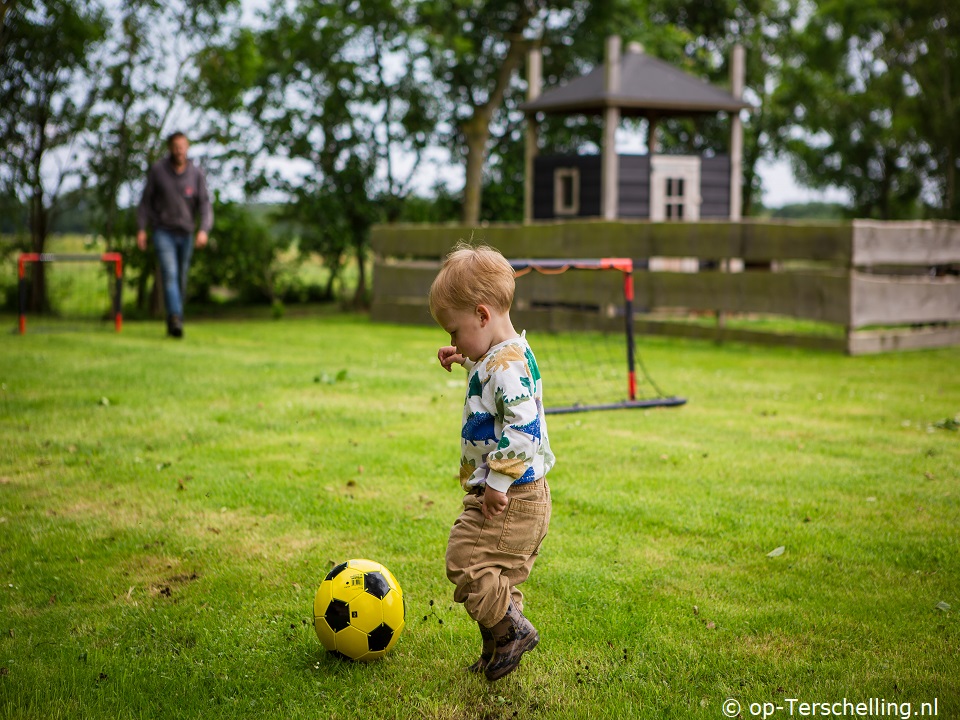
[
  {"x": 80, "y": 290},
  {"x": 581, "y": 317}
]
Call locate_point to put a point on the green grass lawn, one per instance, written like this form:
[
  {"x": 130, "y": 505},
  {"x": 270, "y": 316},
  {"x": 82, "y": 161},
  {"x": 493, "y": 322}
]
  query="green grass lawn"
[{"x": 168, "y": 509}]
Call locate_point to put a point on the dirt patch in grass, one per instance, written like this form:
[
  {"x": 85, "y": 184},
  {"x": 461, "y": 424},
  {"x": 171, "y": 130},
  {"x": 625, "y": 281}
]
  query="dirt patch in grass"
[{"x": 773, "y": 646}]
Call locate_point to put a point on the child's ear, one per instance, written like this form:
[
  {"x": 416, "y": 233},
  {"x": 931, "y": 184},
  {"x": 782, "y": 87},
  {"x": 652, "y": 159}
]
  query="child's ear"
[{"x": 483, "y": 312}]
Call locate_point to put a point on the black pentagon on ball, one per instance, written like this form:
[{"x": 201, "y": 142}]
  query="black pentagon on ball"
[
  {"x": 380, "y": 637},
  {"x": 336, "y": 571},
  {"x": 337, "y": 615},
  {"x": 376, "y": 584}
]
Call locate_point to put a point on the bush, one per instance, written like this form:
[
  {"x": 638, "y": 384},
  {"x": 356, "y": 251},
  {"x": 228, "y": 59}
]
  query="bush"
[{"x": 244, "y": 255}]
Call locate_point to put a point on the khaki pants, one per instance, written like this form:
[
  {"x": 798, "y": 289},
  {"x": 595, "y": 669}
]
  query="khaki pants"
[{"x": 487, "y": 559}]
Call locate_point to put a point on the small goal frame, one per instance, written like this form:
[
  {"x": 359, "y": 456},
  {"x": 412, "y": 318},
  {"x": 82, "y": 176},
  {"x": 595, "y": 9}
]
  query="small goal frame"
[
  {"x": 110, "y": 257},
  {"x": 551, "y": 266}
]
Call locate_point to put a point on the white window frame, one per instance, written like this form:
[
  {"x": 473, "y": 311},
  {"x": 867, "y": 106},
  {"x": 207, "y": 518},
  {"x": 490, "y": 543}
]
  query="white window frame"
[
  {"x": 673, "y": 168},
  {"x": 559, "y": 175}
]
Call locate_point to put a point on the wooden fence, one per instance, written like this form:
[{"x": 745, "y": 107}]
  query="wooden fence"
[{"x": 884, "y": 285}]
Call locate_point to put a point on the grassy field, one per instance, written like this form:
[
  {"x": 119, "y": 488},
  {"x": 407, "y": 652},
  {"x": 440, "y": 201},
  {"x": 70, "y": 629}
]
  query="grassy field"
[
  {"x": 167, "y": 510},
  {"x": 83, "y": 292}
]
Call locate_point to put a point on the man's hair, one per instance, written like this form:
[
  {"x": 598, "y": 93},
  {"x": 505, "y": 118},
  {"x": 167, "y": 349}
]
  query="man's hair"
[
  {"x": 470, "y": 276},
  {"x": 173, "y": 136}
]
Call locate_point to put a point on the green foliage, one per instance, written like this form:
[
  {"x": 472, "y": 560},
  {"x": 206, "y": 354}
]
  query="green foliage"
[
  {"x": 474, "y": 50},
  {"x": 243, "y": 255},
  {"x": 140, "y": 77},
  {"x": 169, "y": 509},
  {"x": 811, "y": 211},
  {"x": 872, "y": 92},
  {"x": 442, "y": 207},
  {"x": 46, "y": 50},
  {"x": 320, "y": 82}
]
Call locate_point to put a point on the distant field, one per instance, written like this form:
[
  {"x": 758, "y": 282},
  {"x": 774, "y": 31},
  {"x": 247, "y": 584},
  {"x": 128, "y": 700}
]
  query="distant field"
[
  {"x": 167, "y": 510},
  {"x": 80, "y": 292}
]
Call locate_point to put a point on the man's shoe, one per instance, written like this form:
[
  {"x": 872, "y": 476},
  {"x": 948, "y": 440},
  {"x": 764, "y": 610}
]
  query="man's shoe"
[
  {"x": 513, "y": 636},
  {"x": 486, "y": 653},
  {"x": 175, "y": 326}
]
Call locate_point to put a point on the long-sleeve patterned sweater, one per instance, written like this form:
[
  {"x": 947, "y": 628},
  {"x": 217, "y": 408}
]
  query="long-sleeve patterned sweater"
[{"x": 504, "y": 437}]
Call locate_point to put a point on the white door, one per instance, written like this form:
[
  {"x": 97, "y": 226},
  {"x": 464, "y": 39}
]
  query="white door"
[{"x": 674, "y": 188}]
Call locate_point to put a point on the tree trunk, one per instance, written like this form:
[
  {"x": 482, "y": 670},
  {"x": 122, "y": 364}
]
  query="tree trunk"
[
  {"x": 951, "y": 211},
  {"x": 39, "y": 301},
  {"x": 360, "y": 296},
  {"x": 477, "y": 132}
]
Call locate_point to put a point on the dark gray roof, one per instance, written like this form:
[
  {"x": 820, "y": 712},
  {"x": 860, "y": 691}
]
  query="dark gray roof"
[{"x": 648, "y": 86}]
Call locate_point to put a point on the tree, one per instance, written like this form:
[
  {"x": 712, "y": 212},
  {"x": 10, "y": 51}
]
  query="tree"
[
  {"x": 46, "y": 95},
  {"x": 329, "y": 88},
  {"x": 475, "y": 48},
  {"x": 873, "y": 92},
  {"x": 931, "y": 35},
  {"x": 143, "y": 73}
]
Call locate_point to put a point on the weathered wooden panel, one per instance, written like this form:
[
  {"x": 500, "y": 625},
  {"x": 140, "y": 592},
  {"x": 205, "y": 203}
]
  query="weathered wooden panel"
[
  {"x": 572, "y": 288},
  {"x": 795, "y": 241},
  {"x": 843, "y": 296},
  {"x": 814, "y": 296},
  {"x": 715, "y": 187},
  {"x": 905, "y": 243},
  {"x": 878, "y": 300},
  {"x": 637, "y": 239},
  {"x": 753, "y": 337},
  {"x": 390, "y": 310},
  {"x": 868, "y": 342},
  {"x": 410, "y": 279},
  {"x": 564, "y": 320},
  {"x": 634, "y": 186}
]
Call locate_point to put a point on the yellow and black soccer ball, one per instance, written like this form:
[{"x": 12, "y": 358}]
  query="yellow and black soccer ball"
[{"x": 358, "y": 611}]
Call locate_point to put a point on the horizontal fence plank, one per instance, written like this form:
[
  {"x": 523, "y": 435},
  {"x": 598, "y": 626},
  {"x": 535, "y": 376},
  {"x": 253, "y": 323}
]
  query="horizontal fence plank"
[
  {"x": 401, "y": 313},
  {"x": 752, "y": 337},
  {"x": 598, "y": 288},
  {"x": 559, "y": 320},
  {"x": 403, "y": 279},
  {"x": 813, "y": 296},
  {"x": 921, "y": 243},
  {"x": 412, "y": 279},
  {"x": 753, "y": 241},
  {"x": 867, "y": 342},
  {"x": 878, "y": 300},
  {"x": 563, "y": 320}
]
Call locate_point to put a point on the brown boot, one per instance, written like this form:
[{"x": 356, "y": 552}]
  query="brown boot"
[
  {"x": 514, "y": 635},
  {"x": 486, "y": 653}
]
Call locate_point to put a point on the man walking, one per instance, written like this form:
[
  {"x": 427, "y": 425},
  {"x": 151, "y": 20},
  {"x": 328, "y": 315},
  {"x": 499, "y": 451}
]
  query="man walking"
[{"x": 173, "y": 199}]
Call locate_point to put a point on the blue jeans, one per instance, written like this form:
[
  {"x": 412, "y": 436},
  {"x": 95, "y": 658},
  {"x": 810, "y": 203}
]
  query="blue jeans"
[{"x": 174, "y": 250}]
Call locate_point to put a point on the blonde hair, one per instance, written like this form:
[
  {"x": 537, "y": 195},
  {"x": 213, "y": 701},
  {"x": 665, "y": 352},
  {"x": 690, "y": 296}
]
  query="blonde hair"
[{"x": 470, "y": 276}]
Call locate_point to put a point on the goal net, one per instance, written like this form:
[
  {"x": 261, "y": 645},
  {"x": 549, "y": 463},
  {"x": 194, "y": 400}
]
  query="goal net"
[
  {"x": 78, "y": 291},
  {"x": 580, "y": 315}
]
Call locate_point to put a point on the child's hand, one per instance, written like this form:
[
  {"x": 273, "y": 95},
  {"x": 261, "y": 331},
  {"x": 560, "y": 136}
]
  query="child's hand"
[
  {"x": 448, "y": 355},
  {"x": 494, "y": 502}
]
